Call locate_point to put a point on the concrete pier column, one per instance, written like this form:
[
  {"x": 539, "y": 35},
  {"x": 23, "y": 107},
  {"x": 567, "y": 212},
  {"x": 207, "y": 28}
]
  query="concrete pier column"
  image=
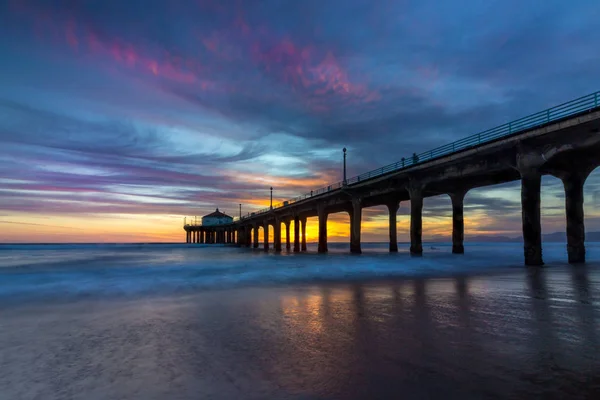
[
  {"x": 187, "y": 237},
  {"x": 303, "y": 224},
  {"x": 255, "y": 229},
  {"x": 239, "y": 241},
  {"x": 248, "y": 236},
  {"x": 277, "y": 235},
  {"x": 393, "y": 211},
  {"x": 355, "y": 225},
  {"x": 416, "y": 220},
  {"x": 322, "y": 248},
  {"x": 266, "y": 236},
  {"x": 287, "y": 235},
  {"x": 296, "y": 235},
  {"x": 573, "y": 184},
  {"x": 531, "y": 181},
  {"x": 458, "y": 222}
]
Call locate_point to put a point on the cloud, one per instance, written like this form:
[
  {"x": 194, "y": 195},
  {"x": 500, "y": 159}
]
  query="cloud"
[{"x": 173, "y": 107}]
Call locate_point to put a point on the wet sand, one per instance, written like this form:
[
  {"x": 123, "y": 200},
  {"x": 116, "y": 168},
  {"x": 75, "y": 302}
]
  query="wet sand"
[{"x": 520, "y": 334}]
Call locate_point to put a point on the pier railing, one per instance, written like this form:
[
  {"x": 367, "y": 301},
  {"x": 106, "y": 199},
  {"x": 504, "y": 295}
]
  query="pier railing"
[
  {"x": 192, "y": 221},
  {"x": 573, "y": 107}
]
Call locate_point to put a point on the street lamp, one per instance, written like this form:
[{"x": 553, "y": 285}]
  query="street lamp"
[
  {"x": 345, "y": 182},
  {"x": 271, "y": 197},
  {"x": 240, "y": 211}
]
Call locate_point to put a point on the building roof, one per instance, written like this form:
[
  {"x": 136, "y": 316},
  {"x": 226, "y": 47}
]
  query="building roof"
[{"x": 217, "y": 214}]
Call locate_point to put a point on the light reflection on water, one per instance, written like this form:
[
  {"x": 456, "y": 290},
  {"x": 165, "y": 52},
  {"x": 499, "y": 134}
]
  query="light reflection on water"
[{"x": 525, "y": 333}]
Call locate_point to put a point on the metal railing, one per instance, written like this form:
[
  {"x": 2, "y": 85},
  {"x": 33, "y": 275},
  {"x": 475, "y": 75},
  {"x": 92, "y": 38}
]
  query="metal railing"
[
  {"x": 192, "y": 221},
  {"x": 577, "y": 106}
]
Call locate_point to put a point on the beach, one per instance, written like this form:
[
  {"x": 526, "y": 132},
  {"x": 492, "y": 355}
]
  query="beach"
[{"x": 518, "y": 333}]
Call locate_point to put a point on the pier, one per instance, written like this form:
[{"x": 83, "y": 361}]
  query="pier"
[{"x": 563, "y": 141}]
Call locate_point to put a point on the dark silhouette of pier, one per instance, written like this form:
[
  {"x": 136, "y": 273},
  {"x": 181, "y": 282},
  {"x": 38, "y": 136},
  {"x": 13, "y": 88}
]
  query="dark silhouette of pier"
[{"x": 563, "y": 141}]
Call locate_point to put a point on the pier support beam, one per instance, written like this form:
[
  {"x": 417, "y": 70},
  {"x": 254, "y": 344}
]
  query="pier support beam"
[
  {"x": 573, "y": 184},
  {"x": 393, "y": 230},
  {"x": 355, "y": 222},
  {"x": 416, "y": 220},
  {"x": 531, "y": 181},
  {"x": 187, "y": 237},
  {"x": 322, "y": 248},
  {"x": 277, "y": 235},
  {"x": 287, "y": 235},
  {"x": 266, "y": 236},
  {"x": 458, "y": 222},
  {"x": 255, "y": 231},
  {"x": 303, "y": 222},
  {"x": 296, "y": 235},
  {"x": 248, "y": 236}
]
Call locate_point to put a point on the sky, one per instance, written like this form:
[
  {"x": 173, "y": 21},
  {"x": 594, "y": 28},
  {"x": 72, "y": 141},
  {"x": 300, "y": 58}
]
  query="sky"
[{"x": 120, "y": 118}]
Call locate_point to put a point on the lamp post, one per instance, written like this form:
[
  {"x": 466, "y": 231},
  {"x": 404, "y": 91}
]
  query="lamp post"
[
  {"x": 240, "y": 211},
  {"x": 271, "y": 197},
  {"x": 345, "y": 182}
]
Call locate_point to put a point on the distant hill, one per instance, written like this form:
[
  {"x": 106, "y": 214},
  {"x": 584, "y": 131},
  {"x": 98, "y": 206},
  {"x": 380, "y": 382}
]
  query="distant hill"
[{"x": 560, "y": 237}]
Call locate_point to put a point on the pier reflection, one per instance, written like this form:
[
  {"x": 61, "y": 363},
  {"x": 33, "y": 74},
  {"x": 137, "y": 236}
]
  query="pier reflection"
[{"x": 512, "y": 333}]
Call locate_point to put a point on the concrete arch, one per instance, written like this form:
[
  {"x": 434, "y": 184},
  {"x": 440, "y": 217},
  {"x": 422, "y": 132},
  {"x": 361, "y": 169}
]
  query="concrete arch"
[
  {"x": 338, "y": 230},
  {"x": 591, "y": 204}
]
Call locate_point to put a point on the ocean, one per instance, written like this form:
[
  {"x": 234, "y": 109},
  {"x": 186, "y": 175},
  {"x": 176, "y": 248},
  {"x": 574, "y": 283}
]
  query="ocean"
[
  {"x": 40, "y": 270},
  {"x": 184, "y": 321}
]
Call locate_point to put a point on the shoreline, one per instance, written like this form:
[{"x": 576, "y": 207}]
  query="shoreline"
[
  {"x": 496, "y": 274},
  {"x": 521, "y": 333}
]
